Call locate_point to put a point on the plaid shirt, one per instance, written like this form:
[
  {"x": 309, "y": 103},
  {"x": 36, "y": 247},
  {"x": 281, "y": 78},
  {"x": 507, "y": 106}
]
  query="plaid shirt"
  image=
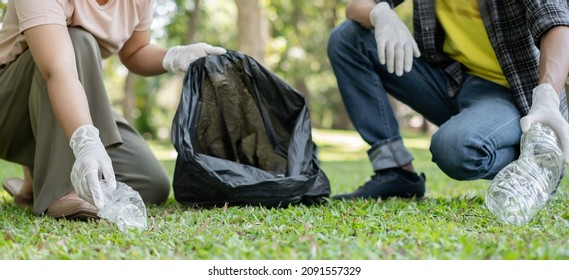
[{"x": 514, "y": 28}]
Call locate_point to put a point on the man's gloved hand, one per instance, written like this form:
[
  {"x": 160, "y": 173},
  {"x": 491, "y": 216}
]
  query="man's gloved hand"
[
  {"x": 179, "y": 58},
  {"x": 91, "y": 164},
  {"x": 545, "y": 109},
  {"x": 395, "y": 44}
]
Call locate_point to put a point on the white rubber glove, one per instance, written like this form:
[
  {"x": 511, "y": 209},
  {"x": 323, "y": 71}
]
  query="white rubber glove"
[
  {"x": 545, "y": 109},
  {"x": 179, "y": 58},
  {"x": 396, "y": 47},
  {"x": 91, "y": 164}
]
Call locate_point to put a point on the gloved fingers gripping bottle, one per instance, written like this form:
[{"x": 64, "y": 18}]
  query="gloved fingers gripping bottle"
[
  {"x": 91, "y": 163},
  {"x": 523, "y": 188},
  {"x": 116, "y": 201}
]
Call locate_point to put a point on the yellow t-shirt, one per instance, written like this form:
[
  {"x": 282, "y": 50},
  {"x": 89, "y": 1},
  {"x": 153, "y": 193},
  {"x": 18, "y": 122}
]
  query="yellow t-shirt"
[{"x": 467, "y": 41}]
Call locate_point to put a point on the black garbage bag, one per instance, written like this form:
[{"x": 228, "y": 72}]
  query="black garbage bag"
[{"x": 243, "y": 136}]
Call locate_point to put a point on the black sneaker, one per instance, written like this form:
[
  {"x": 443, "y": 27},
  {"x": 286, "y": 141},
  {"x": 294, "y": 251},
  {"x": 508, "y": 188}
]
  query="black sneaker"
[{"x": 394, "y": 182}]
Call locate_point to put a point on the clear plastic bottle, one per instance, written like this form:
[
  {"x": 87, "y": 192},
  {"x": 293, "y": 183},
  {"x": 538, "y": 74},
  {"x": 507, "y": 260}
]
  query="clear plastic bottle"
[
  {"x": 124, "y": 207},
  {"x": 523, "y": 187}
]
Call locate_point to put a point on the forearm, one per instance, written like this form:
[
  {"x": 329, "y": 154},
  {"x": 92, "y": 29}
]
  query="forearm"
[
  {"x": 146, "y": 61},
  {"x": 554, "y": 60},
  {"x": 358, "y": 11},
  {"x": 69, "y": 103},
  {"x": 54, "y": 56}
]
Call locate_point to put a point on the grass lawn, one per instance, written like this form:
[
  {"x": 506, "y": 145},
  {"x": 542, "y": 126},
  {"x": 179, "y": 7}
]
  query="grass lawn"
[{"x": 452, "y": 223}]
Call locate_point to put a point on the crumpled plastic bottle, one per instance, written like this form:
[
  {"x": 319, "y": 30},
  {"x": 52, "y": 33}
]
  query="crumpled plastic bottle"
[
  {"x": 523, "y": 187},
  {"x": 124, "y": 207}
]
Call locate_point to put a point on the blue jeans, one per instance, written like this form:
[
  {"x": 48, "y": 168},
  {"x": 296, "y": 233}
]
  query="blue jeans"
[{"x": 479, "y": 131}]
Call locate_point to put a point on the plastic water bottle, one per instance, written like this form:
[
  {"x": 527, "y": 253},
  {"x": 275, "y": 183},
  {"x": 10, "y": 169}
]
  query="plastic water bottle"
[
  {"x": 524, "y": 187},
  {"x": 124, "y": 207}
]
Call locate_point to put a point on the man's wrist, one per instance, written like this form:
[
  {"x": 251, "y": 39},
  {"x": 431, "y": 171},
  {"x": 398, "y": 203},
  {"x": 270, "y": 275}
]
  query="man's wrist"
[
  {"x": 546, "y": 89},
  {"x": 377, "y": 9}
]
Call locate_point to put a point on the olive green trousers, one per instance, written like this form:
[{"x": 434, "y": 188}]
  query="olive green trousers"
[{"x": 30, "y": 134}]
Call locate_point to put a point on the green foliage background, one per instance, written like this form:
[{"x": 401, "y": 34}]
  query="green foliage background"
[{"x": 296, "y": 51}]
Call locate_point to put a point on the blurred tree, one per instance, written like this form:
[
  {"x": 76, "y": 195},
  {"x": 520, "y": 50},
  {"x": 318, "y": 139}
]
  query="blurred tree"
[
  {"x": 288, "y": 36},
  {"x": 252, "y": 29},
  {"x": 300, "y": 32}
]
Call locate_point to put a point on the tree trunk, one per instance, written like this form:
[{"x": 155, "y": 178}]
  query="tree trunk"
[
  {"x": 252, "y": 25},
  {"x": 193, "y": 19},
  {"x": 301, "y": 86}
]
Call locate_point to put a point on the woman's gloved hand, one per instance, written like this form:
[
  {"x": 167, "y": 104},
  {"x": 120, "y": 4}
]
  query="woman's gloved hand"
[
  {"x": 179, "y": 58},
  {"x": 91, "y": 164}
]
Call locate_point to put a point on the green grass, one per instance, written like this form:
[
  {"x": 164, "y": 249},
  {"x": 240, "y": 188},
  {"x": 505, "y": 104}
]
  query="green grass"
[{"x": 452, "y": 223}]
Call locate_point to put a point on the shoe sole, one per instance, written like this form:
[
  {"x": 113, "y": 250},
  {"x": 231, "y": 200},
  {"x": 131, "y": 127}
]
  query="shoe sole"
[
  {"x": 413, "y": 194},
  {"x": 71, "y": 207},
  {"x": 78, "y": 214}
]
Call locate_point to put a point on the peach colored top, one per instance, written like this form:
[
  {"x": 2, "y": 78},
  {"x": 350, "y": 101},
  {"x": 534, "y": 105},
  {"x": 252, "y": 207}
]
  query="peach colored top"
[{"x": 111, "y": 24}]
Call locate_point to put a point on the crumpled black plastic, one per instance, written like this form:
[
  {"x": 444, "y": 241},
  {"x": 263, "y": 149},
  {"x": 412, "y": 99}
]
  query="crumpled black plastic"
[{"x": 243, "y": 136}]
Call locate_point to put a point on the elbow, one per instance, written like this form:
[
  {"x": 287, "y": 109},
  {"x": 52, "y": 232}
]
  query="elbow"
[
  {"x": 349, "y": 12},
  {"x": 59, "y": 70}
]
